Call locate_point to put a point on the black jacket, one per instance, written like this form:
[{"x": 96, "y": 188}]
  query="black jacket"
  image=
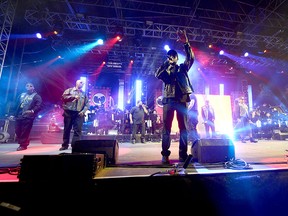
[
  {"x": 28, "y": 102},
  {"x": 176, "y": 80}
]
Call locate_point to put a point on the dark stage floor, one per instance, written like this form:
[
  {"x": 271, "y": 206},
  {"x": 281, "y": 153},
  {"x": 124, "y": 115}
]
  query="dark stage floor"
[{"x": 254, "y": 184}]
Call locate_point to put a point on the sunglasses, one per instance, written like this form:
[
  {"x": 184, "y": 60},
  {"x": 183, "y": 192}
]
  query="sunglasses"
[{"x": 29, "y": 85}]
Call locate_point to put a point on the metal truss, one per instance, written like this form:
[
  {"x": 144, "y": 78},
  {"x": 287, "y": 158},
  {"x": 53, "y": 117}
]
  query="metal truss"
[
  {"x": 7, "y": 13},
  {"x": 269, "y": 19},
  {"x": 240, "y": 29}
]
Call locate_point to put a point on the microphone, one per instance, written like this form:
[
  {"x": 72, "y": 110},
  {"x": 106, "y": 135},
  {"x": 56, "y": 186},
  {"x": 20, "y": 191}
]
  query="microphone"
[
  {"x": 169, "y": 57},
  {"x": 187, "y": 161},
  {"x": 181, "y": 171}
]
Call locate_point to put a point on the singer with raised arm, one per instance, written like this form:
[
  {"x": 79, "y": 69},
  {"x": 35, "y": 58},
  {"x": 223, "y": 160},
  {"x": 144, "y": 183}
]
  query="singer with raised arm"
[
  {"x": 75, "y": 104},
  {"x": 177, "y": 89}
]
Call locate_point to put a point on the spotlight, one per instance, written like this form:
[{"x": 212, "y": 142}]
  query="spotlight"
[
  {"x": 100, "y": 41},
  {"x": 119, "y": 38},
  {"x": 167, "y": 48},
  {"x": 38, "y": 35}
]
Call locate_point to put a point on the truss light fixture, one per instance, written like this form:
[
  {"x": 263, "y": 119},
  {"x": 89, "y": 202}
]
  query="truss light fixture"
[
  {"x": 100, "y": 42},
  {"x": 167, "y": 48},
  {"x": 39, "y": 35},
  {"x": 119, "y": 38}
]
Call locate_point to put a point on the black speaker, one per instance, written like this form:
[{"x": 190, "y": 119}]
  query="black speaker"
[
  {"x": 213, "y": 150},
  {"x": 110, "y": 148},
  {"x": 59, "y": 169}
]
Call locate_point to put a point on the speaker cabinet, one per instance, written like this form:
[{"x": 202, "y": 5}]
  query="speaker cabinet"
[
  {"x": 60, "y": 169},
  {"x": 213, "y": 150},
  {"x": 110, "y": 148}
]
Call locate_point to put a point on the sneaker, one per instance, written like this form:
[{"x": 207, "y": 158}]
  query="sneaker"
[
  {"x": 133, "y": 141},
  {"x": 253, "y": 140},
  {"x": 21, "y": 148},
  {"x": 142, "y": 140},
  {"x": 165, "y": 160},
  {"x": 63, "y": 148}
]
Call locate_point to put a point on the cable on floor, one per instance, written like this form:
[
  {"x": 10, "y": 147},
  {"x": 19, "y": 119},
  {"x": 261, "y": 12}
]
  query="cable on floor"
[{"x": 237, "y": 164}]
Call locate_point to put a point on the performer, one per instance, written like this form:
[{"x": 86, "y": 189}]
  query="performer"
[
  {"x": 137, "y": 119},
  {"x": 243, "y": 124},
  {"x": 75, "y": 104},
  {"x": 155, "y": 121},
  {"x": 208, "y": 116},
  {"x": 29, "y": 104},
  {"x": 126, "y": 126},
  {"x": 177, "y": 88},
  {"x": 193, "y": 119}
]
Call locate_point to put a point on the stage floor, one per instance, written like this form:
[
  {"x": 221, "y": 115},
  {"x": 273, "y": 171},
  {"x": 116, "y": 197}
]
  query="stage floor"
[
  {"x": 138, "y": 180},
  {"x": 144, "y": 159}
]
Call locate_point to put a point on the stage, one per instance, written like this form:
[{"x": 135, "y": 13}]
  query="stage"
[
  {"x": 256, "y": 183},
  {"x": 144, "y": 159}
]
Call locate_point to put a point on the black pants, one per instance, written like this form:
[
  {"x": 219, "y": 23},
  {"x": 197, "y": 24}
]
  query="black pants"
[
  {"x": 138, "y": 127},
  {"x": 72, "y": 119},
  {"x": 181, "y": 115},
  {"x": 23, "y": 128}
]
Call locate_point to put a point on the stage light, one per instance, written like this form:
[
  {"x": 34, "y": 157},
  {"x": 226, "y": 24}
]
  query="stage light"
[
  {"x": 221, "y": 89},
  {"x": 246, "y": 54},
  {"x": 138, "y": 85},
  {"x": 100, "y": 41},
  {"x": 221, "y": 52},
  {"x": 167, "y": 48},
  {"x": 38, "y": 35},
  {"x": 121, "y": 94},
  {"x": 119, "y": 38}
]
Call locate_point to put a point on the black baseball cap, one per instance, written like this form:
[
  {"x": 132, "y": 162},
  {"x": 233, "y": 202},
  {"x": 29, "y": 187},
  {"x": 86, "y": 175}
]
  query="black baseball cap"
[{"x": 172, "y": 53}]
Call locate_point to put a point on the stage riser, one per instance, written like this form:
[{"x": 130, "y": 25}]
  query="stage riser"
[{"x": 225, "y": 194}]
